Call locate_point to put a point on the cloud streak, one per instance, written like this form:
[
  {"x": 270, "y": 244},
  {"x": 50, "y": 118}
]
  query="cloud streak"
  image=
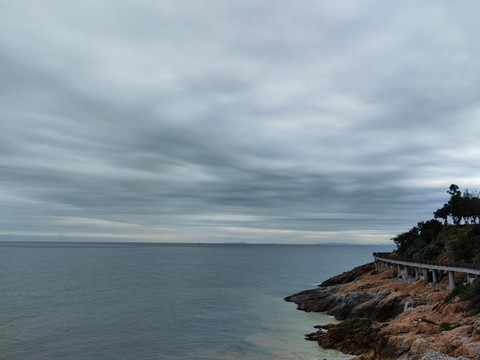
[{"x": 176, "y": 121}]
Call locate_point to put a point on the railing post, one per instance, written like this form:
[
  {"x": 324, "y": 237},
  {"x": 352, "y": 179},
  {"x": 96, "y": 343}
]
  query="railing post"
[
  {"x": 434, "y": 276},
  {"x": 425, "y": 274},
  {"x": 417, "y": 276},
  {"x": 470, "y": 278},
  {"x": 451, "y": 280}
]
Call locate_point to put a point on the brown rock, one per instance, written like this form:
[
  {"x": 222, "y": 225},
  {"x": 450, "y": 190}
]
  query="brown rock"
[
  {"x": 384, "y": 318},
  {"x": 348, "y": 276}
]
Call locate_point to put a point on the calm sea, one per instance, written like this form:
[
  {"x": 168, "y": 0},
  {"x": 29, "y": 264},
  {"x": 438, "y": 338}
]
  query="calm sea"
[{"x": 163, "y": 301}]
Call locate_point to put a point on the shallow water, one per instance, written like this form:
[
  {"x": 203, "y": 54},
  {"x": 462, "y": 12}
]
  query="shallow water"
[{"x": 163, "y": 301}]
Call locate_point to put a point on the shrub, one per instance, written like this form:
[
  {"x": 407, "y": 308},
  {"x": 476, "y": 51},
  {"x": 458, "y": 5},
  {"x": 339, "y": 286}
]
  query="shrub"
[
  {"x": 469, "y": 292},
  {"x": 458, "y": 291},
  {"x": 428, "y": 321},
  {"x": 431, "y": 252},
  {"x": 464, "y": 249},
  {"x": 446, "y": 326}
]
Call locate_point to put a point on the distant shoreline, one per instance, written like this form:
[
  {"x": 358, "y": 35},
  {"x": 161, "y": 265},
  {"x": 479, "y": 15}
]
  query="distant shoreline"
[{"x": 178, "y": 243}]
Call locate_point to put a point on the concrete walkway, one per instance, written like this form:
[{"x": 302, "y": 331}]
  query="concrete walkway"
[{"x": 420, "y": 268}]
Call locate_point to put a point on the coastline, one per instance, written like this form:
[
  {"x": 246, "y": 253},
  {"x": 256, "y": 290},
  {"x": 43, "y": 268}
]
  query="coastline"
[{"x": 383, "y": 317}]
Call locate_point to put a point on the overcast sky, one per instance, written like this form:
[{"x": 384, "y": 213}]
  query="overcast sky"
[{"x": 234, "y": 121}]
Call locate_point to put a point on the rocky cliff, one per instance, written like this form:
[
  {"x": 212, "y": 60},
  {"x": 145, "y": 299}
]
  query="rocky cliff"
[{"x": 387, "y": 318}]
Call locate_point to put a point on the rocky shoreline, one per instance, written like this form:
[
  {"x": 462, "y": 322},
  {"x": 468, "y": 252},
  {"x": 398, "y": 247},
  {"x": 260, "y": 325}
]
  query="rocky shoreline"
[{"x": 386, "y": 318}]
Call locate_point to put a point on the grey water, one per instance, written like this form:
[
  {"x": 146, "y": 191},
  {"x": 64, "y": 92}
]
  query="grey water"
[{"x": 102, "y": 301}]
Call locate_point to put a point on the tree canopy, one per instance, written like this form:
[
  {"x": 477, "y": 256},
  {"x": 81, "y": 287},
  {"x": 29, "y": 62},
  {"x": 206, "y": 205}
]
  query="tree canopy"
[
  {"x": 429, "y": 239},
  {"x": 461, "y": 207}
]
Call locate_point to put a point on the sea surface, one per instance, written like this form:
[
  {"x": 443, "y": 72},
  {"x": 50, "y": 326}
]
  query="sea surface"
[{"x": 90, "y": 301}]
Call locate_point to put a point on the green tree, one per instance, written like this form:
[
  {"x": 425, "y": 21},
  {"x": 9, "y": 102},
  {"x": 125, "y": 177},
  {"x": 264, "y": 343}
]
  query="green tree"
[
  {"x": 443, "y": 213},
  {"x": 470, "y": 203},
  {"x": 428, "y": 230},
  {"x": 455, "y": 204},
  {"x": 454, "y": 191},
  {"x": 406, "y": 239}
]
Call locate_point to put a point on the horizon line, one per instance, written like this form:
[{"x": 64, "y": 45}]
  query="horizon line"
[{"x": 190, "y": 243}]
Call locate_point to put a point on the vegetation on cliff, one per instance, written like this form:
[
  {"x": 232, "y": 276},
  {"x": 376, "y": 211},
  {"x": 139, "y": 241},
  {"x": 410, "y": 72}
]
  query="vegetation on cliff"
[
  {"x": 457, "y": 238},
  {"x": 386, "y": 318},
  {"x": 457, "y": 241},
  {"x": 467, "y": 292}
]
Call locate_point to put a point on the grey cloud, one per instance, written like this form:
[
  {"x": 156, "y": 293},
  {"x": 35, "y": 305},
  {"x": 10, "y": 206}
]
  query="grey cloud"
[{"x": 198, "y": 117}]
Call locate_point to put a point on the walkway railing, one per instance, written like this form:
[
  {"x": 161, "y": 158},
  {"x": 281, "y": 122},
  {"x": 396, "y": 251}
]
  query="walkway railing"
[
  {"x": 381, "y": 259},
  {"x": 460, "y": 265}
]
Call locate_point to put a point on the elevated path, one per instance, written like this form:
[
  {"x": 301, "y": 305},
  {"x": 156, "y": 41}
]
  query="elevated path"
[{"x": 406, "y": 265}]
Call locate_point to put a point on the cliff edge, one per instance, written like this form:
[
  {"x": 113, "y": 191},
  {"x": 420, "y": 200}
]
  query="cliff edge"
[{"x": 386, "y": 318}]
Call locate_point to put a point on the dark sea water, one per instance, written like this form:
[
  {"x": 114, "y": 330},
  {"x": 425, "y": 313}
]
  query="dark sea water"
[{"x": 142, "y": 301}]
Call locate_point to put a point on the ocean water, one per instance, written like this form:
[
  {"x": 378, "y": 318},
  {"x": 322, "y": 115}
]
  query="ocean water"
[{"x": 163, "y": 301}]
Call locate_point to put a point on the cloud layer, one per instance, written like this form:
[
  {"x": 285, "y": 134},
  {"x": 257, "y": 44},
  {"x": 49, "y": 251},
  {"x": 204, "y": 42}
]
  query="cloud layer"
[{"x": 219, "y": 121}]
